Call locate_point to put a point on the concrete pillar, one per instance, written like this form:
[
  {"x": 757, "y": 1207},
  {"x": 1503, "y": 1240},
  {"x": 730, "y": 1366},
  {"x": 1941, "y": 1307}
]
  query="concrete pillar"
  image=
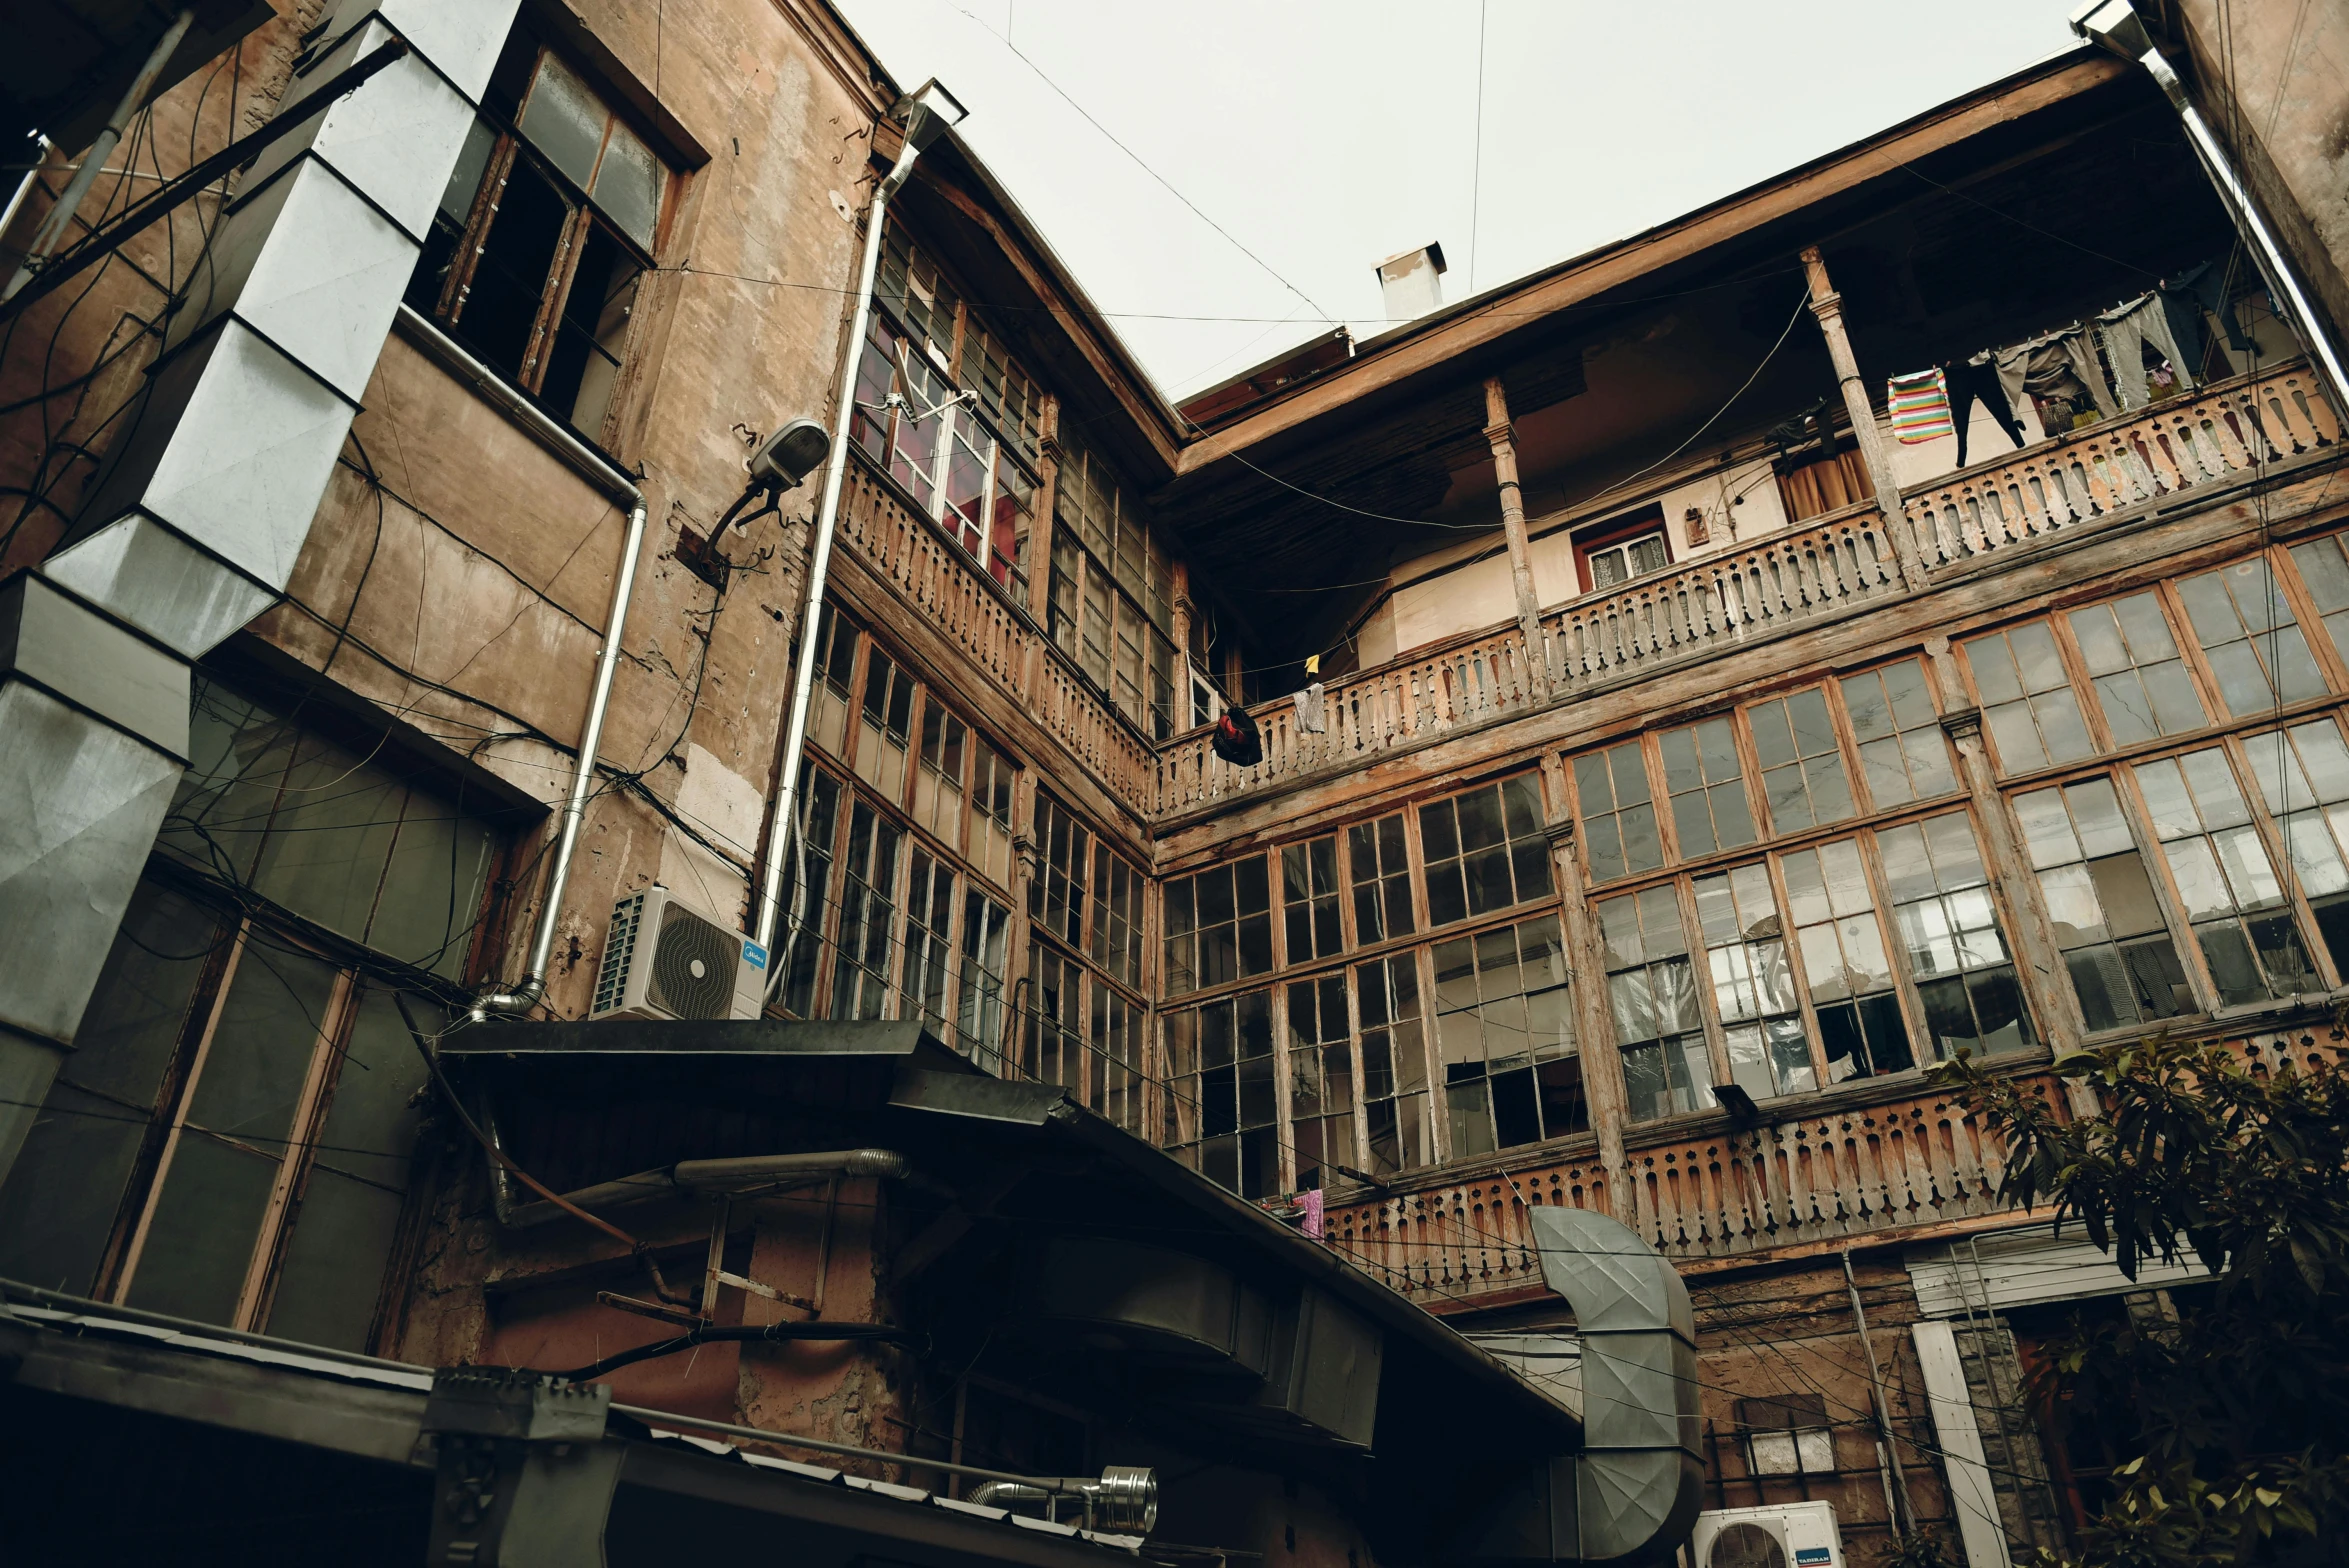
[
  {"x": 1827, "y": 305},
  {"x": 1502, "y": 437},
  {"x": 196, "y": 518}
]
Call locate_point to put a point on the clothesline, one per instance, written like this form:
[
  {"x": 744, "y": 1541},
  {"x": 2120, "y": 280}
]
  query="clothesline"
[{"x": 2061, "y": 366}]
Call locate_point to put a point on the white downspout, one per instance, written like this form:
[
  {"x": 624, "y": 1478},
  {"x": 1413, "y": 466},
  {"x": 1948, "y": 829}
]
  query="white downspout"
[{"x": 926, "y": 116}]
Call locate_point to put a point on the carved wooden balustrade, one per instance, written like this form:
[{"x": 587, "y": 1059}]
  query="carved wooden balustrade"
[
  {"x": 1828, "y": 567},
  {"x": 1811, "y": 1176},
  {"x": 948, "y": 587},
  {"x": 2222, "y": 434}
]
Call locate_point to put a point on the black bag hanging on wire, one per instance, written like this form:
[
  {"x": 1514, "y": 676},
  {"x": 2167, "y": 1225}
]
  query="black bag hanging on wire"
[{"x": 1236, "y": 739}]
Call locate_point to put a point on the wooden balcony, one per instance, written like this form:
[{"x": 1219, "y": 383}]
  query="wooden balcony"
[
  {"x": 938, "y": 579},
  {"x": 1813, "y": 1174},
  {"x": 1832, "y": 566},
  {"x": 2223, "y": 434}
]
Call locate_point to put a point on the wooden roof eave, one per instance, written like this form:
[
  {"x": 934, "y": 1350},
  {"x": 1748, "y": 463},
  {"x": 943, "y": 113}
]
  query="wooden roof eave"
[{"x": 1436, "y": 343}]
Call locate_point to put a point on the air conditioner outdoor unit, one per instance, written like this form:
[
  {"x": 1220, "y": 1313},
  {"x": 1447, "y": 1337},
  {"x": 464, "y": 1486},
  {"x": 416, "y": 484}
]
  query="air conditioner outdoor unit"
[
  {"x": 665, "y": 959},
  {"x": 1781, "y": 1535}
]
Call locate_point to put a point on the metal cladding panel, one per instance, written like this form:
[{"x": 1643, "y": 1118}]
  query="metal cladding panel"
[
  {"x": 460, "y": 37},
  {"x": 395, "y": 138},
  {"x": 1629, "y": 1390},
  {"x": 157, "y": 581},
  {"x": 1638, "y": 1506},
  {"x": 2027, "y": 1267},
  {"x": 1334, "y": 1378},
  {"x": 232, "y": 445},
  {"x": 85, "y": 802},
  {"x": 314, "y": 269},
  {"x": 1614, "y": 1279},
  {"x": 93, "y": 663}
]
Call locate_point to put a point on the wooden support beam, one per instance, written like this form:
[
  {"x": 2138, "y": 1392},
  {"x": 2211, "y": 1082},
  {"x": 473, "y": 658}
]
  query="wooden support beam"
[
  {"x": 1827, "y": 305},
  {"x": 1586, "y": 964},
  {"x": 1502, "y": 437}
]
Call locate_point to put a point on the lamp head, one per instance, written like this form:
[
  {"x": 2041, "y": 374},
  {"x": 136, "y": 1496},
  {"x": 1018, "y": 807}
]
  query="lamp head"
[{"x": 790, "y": 454}]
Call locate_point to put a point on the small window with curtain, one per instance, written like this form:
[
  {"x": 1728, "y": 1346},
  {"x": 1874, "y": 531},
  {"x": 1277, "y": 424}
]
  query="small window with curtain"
[
  {"x": 543, "y": 235},
  {"x": 1613, "y": 553}
]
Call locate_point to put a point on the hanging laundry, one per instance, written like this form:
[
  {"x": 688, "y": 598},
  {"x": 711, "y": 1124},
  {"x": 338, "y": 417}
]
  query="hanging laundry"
[
  {"x": 2128, "y": 328},
  {"x": 2060, "y": 365},
  {"x": 2187, "y": 296},
  {"x": 1920, "y": 406},
  {"x": 1236, "y": 740},
  {"x": 1309, "y": 710},
  {"x": 1977, "y": 381},
  {"x": 1315, "y": 1204}
]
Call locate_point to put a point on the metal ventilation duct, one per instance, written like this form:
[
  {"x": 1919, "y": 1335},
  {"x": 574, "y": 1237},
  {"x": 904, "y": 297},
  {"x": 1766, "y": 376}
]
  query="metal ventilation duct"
[
  {"x": 1632, "y": 1494},
  {"x": 195, "y": 522}
]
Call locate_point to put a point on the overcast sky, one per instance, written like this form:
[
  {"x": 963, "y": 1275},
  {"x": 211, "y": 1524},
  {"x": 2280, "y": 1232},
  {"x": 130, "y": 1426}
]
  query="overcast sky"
[{"x": 1323, "y": 135}]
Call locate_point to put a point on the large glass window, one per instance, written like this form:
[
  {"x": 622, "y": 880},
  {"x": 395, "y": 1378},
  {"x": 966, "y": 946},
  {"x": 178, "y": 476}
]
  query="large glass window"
[
  {"x": 1619, "y": 836},
  {"x": 990, "y": 813},
  {"x": 1504, "y": 1031},
  {"x": 1651, "y": 991},
  {"x": 938, "y": 781},
  {"x": 986, "y": 927},
  {"x": 1111, "y": 595},
  {"x": 2254, "y": 646},
  {"x": 1861, "y": 1031},
  {"x": 1064, "y": 848},
  {"x": 1484, "y": 850},
  {"x": 1753, "y": 988},
  {"x": 1218, "y": 926},
  {"x": 2324, "y": 567},
  {"x": 1380, "y": 864},
  {"x": 542, "y": 235},
  {"x": 1309, "y": 899},
  {"x": 1116, "y": 936},
  {"x": 929, "y": 949},
  {"x": 1054, "y": 1048},
  {"x": 2141, "y": 682},
  {"x": 1903, "y": 756},
  {"x": 2107, "y": 918},
  {"x": 230, "y": 1139},
  {"x": 2027, "y": 700},
  {"x": 1220, "y": 1061},
  {"x": 1706, "y": 782},
  {"x": 860, "y": 984},
  {"x": 884, "y": 737},
  {"x": 2303, "y": 776},
  {"x": 805, "y": 931},
  {"x": 1321, "y": 1079},
  {"x": 1803, "y": 779},
  {"x": 1949, "y": 931},
  {"x": 2226, "y": 885},
  {"x": 1394, "y": 1064}
]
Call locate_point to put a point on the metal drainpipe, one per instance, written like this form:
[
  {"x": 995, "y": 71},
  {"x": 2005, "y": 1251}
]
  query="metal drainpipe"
[
  {"x": 2114, "y": 25},
  {"x": 452, "y": 357},
  {"x": 51, "y": 233},
  {"x": 24, "y": 187},
  {"x": 780, "y": 822},
  {"x": 542, "y": 945}
]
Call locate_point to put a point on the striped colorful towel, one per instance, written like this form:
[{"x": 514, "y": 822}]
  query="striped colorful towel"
[{"x": 1920, "y": 407}]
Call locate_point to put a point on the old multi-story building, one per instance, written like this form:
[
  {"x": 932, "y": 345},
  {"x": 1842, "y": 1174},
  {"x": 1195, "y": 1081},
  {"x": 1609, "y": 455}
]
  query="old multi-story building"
[{"x": 1893, "y": 611}]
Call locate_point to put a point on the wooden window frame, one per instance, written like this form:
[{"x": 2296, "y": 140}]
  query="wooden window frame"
[{"x": 1617, "y": 531}]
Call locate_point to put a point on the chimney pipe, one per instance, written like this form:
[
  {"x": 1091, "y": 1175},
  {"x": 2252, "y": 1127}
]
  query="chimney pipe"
[{"x": 1408, "y": 282}]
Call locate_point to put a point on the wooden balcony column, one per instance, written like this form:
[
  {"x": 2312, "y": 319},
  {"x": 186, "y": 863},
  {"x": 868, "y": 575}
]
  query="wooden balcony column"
[
  {"x": 1502, "y": 436},
  {"x": 1827, "y": 306},
  {"x": 1586, "y": 968},
  {"x": 1047, "y": 510}
]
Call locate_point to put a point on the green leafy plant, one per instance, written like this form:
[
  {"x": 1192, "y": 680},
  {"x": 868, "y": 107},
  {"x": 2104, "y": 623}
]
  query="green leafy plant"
[{"x": 2239, "y": 1412}]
